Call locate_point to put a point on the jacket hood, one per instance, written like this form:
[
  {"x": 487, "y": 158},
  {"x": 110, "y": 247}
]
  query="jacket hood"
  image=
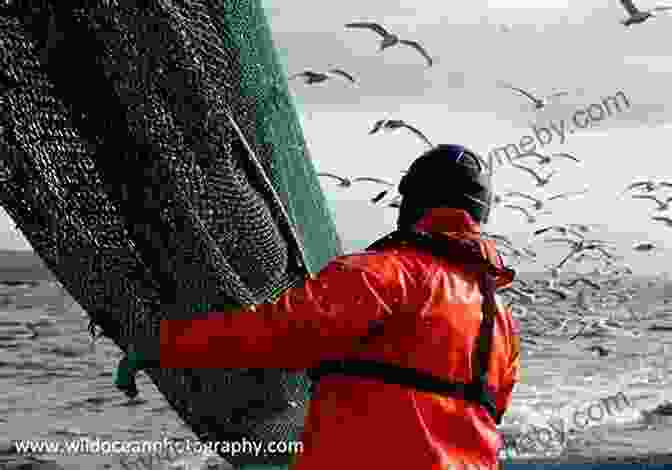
[{"x": 457, "y": 223}]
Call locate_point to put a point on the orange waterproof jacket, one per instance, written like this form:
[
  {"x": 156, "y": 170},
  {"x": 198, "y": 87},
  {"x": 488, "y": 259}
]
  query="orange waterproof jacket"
[{"x": 431, "y": 311}]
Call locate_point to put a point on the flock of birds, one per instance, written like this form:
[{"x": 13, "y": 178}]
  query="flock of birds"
[
  {"x": 607, "y": 281},
  {"x": 388, "y": 39}
]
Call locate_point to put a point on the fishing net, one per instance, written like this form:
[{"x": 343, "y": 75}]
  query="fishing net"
[{"x": 152, "y": 156}]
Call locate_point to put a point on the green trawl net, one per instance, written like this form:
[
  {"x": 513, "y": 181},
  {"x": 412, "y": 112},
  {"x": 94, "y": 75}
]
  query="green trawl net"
[{"x": 122, "y": 164}]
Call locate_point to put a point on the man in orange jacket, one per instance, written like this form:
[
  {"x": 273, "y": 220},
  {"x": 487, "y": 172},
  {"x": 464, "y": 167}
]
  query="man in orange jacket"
[{"x": 414, "y": 358}]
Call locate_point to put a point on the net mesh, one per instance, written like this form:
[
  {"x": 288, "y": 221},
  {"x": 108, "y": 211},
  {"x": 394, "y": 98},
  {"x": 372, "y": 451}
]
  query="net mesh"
[{"x": 120, "y": 166}]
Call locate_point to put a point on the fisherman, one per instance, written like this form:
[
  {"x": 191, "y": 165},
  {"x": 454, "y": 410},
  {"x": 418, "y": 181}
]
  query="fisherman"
[{"x": 413, "y": 357}]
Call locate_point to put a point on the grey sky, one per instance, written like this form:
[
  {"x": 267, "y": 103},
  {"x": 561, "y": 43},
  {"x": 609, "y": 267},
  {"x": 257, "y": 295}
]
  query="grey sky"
[{"x": 570, "y": 45}]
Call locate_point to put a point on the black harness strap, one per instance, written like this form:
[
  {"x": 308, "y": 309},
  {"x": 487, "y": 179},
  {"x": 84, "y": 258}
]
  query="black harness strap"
[
  {"x": 477, "y": 391},
  {"x": 406, "y": 377}
]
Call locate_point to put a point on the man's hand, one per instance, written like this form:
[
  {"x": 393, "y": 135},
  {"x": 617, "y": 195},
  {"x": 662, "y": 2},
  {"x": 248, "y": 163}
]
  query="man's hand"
[
  {"x": 124, "y": 378},
  {"x": 128, "y": 368}
]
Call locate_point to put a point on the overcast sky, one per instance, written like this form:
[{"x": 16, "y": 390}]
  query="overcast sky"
[{"x": 570, "y": 45}]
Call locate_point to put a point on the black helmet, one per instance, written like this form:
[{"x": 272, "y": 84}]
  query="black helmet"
[{"x": 448, "y": 175}]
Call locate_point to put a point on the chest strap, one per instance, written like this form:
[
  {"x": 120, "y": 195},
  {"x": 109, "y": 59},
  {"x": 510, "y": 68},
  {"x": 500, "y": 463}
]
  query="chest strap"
[
  {"x": 407, "y": 377},
  {"x": 467, "y": 252}
]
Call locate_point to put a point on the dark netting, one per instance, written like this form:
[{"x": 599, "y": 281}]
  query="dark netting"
[{"x": 122, "y": 168}]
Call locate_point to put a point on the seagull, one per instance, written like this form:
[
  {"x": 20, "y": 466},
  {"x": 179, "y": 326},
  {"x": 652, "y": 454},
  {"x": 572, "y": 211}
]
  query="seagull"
[
  {"x": 574, "y": 229},
  {"x": 584, "y": 228},
  {"x": 539, "y": 103},
  {"x": 343, "y": 74},
  {"x": 311, "y": 77},
  {"x": 538, "y": 204},
  {"x": 566, "y": 195},
  {"x": 584, "y": 280},
  {"x": 530, "y": 218},
  {"x": 666, "y": 220},
  {"x": 396, "y": 202},
  {"x": 343, "y": 182},
  {"x": 595, "y": 271},
  {"x": 647, "y": 186},
  {"x": 561, "y": 229},
  {"x": 377, "y": 198},
  {"x": 391, "y": 124},
  {"x": 541, "y": 181},
  {"x": 390, "y": 39},
  {"x": 546, "y": 159},
  {"x": 636, "y": 16},
  {"x": 644, "y": 247},
  {"x": 662, "y": 205},
  {"x": 566, "y": 155},
  {"x": 373, "y": 180},
  {"x": 581, "y": 246},
  {"x": 571, "y": 242}
]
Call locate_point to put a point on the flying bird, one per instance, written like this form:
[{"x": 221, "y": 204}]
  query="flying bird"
[
  {"x": 644, "y": 247},
  {"x": 373, "y": 180},
  {"x": 666, "y": 220},
  {"x": 567, "y": 195},
  {"x": 585, "y": 245},
  {"x": 571, "y": 242},
  {"x": 538, "y": 203},
  {"x": 662, "y": 205},
  {"x": 377, "y": 198},
  {"x": 392, "y": 124},
  {"x": 539, "y": 103},
  {"x": 566, "y": 155},
  {"x": 546, "y": 159},
  {"x": 310, "y": 77},
  {"x": 637, "y": 16},
  {"x": 343, "y": 74},
  {"x": 344, "y": 182},
  {"x": 561, "y": 229},
  {"x": 541, "y": 180},
  {"x": 396, "y": 202},
  {"x": 584, "y": 280},
  {"x": 389, "y": 39},
  {"x": 530, "y": 218},
  {"x": 583, "y": 228},
  {"x": 647, "y": 186}
]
